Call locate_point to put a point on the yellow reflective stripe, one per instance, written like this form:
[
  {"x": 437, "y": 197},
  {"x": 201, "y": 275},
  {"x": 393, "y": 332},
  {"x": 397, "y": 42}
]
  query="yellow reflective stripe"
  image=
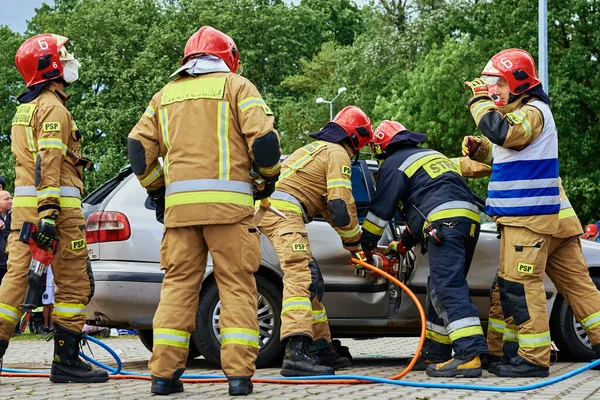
[
  {"x": 199, "y": 88},
  {"x": 10, "y": 313},
  {"x": 240, "y": 336},
  {"x": 481, "y": 107},
  {"x": 309, "y": 149},
  {"x": 437, "y": 337},
  {"x": 452, "y": 213},
  {"x": 209, "y": 196},
  {"x": 510, "y": 335},
  {"x": 296, "y": 303},
  {"x": 164, "y": 127},
  {"x": 522, "y": 117},
  {"x": 29, "y": 201},
  {"x": 496, "y": 325},
  {"x": 269, "y": 170},
  {"x": 50, "y": 144},
  {"x": 566, "y": 213},
  {"x": 171, "y": 337},
  {"x": 534, "y": 339},
  {"x": 250, "y": 102},
  {"x": 339, "y": 183},
  {"x": 70, "y": 202},
  {"x": 591, "y": 321},
  {"x": 69, "y": 309},
  {"x": 283, "y": 205},
  {"x": 223, "y": 139},
  {"x": 156, "y": 173},
  {"x": 45, "y": 193},
  {"x": 456, "y": 162},
  {"x": 319, "y": 316},
  {"x": 465, "y": 332},
  {"x": 149, "y": 112},
  {"x": 166, "y": 169},
  {"x": 371, "y": 227},
  {"x": 349, "y": 232},
  {"x": 30, "y": 141},
  {"x": 412, "y": 168}
]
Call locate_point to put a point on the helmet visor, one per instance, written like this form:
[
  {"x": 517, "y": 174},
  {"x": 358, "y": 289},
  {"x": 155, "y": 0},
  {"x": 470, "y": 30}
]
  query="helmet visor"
[{"x": 491, "y": 80}]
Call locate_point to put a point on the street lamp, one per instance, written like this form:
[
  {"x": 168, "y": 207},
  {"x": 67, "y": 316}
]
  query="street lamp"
[{"x": 330, "y": 102}]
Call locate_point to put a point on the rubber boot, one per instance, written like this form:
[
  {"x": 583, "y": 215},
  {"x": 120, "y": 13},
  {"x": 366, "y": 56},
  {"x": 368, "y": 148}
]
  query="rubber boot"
[
  {"x": 298, "y": 362},
  {"x": 67, "y": 366},
  {"x": 521, "y": 368},
  {"x": 456, "y": 368},
  {"x": 493, "y": 367},
  {"x": 166, "y": 386},
  {"x": 423, "y": 362},
  {"x": 239, "y": 386},
  {"x": 326, "y": 355}
]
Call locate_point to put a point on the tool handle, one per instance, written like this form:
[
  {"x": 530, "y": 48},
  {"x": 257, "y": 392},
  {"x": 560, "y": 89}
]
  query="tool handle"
[{"x": 37, "y": 284}]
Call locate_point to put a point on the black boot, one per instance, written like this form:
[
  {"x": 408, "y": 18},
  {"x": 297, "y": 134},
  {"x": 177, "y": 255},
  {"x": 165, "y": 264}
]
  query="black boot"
[
  {"x": 423, "y": 362},
  {"x": 326, "y": 355},
  {"x": 493, "y": 367},
  {"x": 3, "y": 347},
  {"x": 521, "y": 368},
  {"x": 67, "y": 366},
  {"x": 487, "y": 359},
  {"x": 298, "y": 361},
  {"x": 166, "y": 386},
  {"x": 239, "y": 386}
]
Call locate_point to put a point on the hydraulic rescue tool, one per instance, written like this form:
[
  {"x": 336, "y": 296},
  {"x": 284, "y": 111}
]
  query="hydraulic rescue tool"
[
  {"x": 40, "y": 260},
  {"x": 259, "y": 183}
]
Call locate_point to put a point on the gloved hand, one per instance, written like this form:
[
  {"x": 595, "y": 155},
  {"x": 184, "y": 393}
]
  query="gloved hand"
[
  {"x": 478, "y": 86},
  {"x": 46, "y": 230},
  {"x": 396, "y": 247},
  {"x": 158, "y": 197},
  {"x": 470, "y": 145},
  {"x": 267, "y": 188},
  {"x": 359, "y": 254}
]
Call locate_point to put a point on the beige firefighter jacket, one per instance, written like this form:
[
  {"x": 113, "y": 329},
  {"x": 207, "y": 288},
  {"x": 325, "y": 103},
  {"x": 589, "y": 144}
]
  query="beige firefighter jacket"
[
  {"x": 206, "y": 128},
  {"x": 47, "y": 149},
  {"x": 318, "y": 176}
]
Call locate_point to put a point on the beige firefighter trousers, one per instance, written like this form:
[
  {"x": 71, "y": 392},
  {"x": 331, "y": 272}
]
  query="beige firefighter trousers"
[
  {"x": 235, "y": 251},
  {"x": 71, "y": 275},
  {"x": 568, "y": 270},
  {"x": 299, "y": 314}
]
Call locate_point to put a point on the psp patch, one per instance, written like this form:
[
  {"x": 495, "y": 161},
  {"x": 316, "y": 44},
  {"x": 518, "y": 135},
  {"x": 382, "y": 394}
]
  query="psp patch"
[
  {"x": 78, "y": 244},
  {"x": 299, "y": 247},
  {"x": 525, "y": 268},
  {"x": 51, "y": 127},
  {"x": 346, "y": 170}
]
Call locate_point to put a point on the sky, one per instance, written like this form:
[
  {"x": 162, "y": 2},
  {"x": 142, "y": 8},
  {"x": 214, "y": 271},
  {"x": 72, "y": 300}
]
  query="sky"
[{"x": 16, "y": 13}]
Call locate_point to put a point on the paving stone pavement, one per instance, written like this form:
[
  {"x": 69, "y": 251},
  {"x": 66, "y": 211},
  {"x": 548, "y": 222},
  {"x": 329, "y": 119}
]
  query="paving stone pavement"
[{"x": 377, "y": 357}]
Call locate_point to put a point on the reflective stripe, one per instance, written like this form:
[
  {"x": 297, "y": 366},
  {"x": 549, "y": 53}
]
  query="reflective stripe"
[
  {"x": 296, "y": 303},
  {"x": 348, "y": 233},
  {"x": 284, "y": 205},
  {"x": 164, "y": 127},
  {"x": 436, "y": 337},
  {"x": 566, "y": 213},
  {"x": 496, "y": 325},
  {"x": 374, "y": 229},
  {"x": 456, "y": 162},
  {"x": 463, "y": 323},
  {"x": 375, "y": 220},
  {"x": 319, "y": 316},
  {"x": 510, "y": 335},
  {"x": 156, "y": 173},
  {"x": 534, "y": 339},
  {"x": 48, "y": 192},
  {"x": 209, "y": 197},
  {"x": 269, "y": 170},
  {"x": 483, "y": 106},
  {"x": 171, "y": 337},
  {"x": 523, "y": 201},
  {"x": 69, "y": 309},
  {"x": 52, "y": 144},
  {"x": 26, "y": 201},
  {"x": 199, "y": 88},
  {"x": 149, "y": 112},
  {"x": 223, "y": 139},
  {"x": 241, "y": 336},
  {"x": 416, "y": 161},
  {"x": 309, "y": 149},
  {"x": 9, "y": 313},
  {"x": 67, "y": 191},
  {"x": 198, "y": 185},
  {"x": 250, "y": 102},
  {"x": 285, "y": 201},
  {"x": 523, "y": 120},
  {"x": 465, "y": 332},
  {"x": 454, "y": 209},
  {"x": 591, "y": 321},
  {"x": 339, "y": 183},
  {"x": 565, "y": 204},
  {"x": 30, "y": 141},
  {"x": 523, "y": 184},
  {"x": 436, "y": 328}
]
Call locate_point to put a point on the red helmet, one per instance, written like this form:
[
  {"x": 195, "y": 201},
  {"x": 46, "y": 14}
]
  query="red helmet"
[
  {"x": 514, "y": 65},
  {"x": 384, "y": 134},
  {"x": 209, "y": 40},
  {"x": 356, "y": 124},
  {"x": 590, "y": 231},
  {"x": 38, "y": 58}
]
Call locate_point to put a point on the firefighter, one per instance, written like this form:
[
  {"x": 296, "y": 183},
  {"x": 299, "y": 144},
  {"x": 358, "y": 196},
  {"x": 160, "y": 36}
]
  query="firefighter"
[
  {"x": 315, "y": 179},
  {"x": 440, "y": 212},
  {"x": 539, "y": 228},
  {"x": 211, "y": 127},
  {"x": 48, "y": 186}
]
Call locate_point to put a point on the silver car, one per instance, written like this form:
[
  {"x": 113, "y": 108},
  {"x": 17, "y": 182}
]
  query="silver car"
[{"x": 124, "y": 242}]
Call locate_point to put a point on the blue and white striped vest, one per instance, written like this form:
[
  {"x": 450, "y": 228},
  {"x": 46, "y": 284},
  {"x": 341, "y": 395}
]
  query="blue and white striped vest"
[{"x": 526, "y": 182}]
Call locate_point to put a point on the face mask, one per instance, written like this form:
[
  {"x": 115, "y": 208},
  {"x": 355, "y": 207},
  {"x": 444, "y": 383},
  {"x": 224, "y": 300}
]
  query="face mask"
[{"x": 71, "y": 70}]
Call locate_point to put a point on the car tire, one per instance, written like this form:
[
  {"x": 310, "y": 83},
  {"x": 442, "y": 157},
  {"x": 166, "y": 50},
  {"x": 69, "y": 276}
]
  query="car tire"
[
  {"x": 145, "y": 336},
  {"x": 205, "y": 336},
  {"x": 567, "y": 334}
]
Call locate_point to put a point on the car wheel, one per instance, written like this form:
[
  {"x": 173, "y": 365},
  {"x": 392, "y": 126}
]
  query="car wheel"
[
  {"x": 207, "y": 336},
  {"x": 568, "y": 334},
  {"x": 145, "y": 336}
]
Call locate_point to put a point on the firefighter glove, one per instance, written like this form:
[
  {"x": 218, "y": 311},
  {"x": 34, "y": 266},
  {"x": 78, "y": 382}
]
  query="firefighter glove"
[
  {"x": 396, "y": 247},
  {"x": 470, "y": 145},
  {"x": 158, "y": 197},
  {"x": 265, "y": 190},
  {"x": 359, "y": 254},
  {"x": 46, "y": 230},
  {"x": 478, "y": 86}
]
